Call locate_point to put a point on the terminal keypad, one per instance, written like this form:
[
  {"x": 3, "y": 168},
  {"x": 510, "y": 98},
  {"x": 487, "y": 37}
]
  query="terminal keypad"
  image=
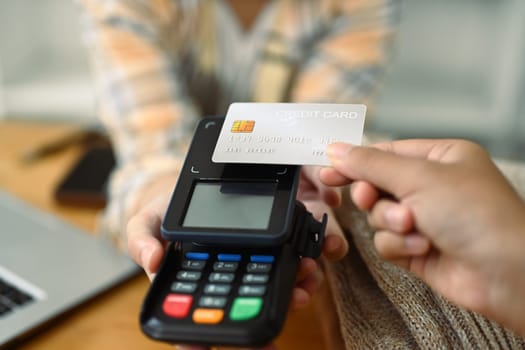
[{"x": 213, "y": 288}]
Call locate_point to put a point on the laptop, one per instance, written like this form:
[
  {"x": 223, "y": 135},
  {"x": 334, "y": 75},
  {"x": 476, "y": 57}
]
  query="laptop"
[{"x": 48, "y": 266}]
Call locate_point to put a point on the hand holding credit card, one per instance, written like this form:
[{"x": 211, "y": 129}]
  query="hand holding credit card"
[{"x": 287, "y": 133}]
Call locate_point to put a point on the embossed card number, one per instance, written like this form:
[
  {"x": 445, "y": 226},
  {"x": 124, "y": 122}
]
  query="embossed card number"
[{"x": 287, "y": 133}]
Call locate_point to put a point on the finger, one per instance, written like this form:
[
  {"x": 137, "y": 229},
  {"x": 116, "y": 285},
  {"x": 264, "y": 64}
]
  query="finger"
[
  {"x": 307, "y": 266},
  {"x": 393, "y": 246},
  {"x": 364, "y": 194},
  {"x": 390, "y": 165},
  {"x": 332, "y": 177},
  {"x": 331, "y": 196},
  {"x": 389, "y": 171},
  {"x": 391, "y": 216},
  {"x": 414, "y": 263},
  {"x": 312, "y": 283},
  {"x": 300, "y": 299},
  {"x": 144, "y": 248},
  {"x": 335, "y": 245},
  {"x": 143, "y": 235},
  {"x": 303, "y": 292}
]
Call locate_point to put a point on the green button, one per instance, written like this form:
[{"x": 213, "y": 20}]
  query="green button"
[{"x": 245, "y": 308}]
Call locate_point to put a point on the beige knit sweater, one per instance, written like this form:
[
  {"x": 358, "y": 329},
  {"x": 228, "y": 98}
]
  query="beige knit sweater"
[{"x": 380, "y": 306}]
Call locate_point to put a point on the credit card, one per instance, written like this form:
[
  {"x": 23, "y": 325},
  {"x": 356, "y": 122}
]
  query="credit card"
[{"x": 287, "y": 133}]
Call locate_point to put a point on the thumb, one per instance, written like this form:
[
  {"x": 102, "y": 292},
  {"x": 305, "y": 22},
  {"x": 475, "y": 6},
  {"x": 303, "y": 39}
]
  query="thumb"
[{"x": 391, "y": 172}]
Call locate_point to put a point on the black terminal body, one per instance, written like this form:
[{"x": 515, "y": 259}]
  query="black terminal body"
[{"x": 237, "y": 235}]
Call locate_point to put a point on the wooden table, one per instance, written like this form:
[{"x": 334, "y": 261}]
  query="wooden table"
[{"x": 110, "y": 321}]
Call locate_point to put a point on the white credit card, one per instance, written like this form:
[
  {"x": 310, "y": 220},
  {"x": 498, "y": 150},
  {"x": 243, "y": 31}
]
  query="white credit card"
[{"x": 287, "y": 133}]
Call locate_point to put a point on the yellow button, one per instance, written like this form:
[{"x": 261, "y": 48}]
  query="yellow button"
[{"x": 209, "y": 316}]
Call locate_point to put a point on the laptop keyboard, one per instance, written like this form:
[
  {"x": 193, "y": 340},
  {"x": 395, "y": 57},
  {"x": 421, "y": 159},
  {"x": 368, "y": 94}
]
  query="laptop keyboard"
[{"x": 11, "y": 298}]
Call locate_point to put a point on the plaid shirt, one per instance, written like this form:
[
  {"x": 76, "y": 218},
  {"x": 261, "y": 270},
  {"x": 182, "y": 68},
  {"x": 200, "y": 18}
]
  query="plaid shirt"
[{"x": 161, "y": 64}]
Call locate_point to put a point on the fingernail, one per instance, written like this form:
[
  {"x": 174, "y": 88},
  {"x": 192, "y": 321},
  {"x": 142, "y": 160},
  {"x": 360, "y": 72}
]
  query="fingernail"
[{"x": 338, "y": 150}]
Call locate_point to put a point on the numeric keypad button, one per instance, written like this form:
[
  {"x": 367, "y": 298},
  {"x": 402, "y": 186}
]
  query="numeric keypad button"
[
  {"x": 212, "y": 302},
  {"x": 193, "y": 264},
  {"x": 255, "y": 278},
  {"x": 183, "y": 287},
  {"x": 188, "y": 275},
  {"x": 252, "y": 291},
  {"x": 221, "y": 277},
  {"x": 217, "y": 289},
  {"x": 225, "y": 266},
  {"x": 258, "y": 267}
]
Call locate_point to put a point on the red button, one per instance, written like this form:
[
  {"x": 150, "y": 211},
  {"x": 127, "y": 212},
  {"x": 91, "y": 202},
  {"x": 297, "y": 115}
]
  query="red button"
[{"x": 177, "y": 305}]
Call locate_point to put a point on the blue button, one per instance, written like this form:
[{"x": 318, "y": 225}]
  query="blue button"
[
  {"x": 197, "y": 256},
  {"x": 262, "y": 258},
  {"x": 229, "y": 257}
]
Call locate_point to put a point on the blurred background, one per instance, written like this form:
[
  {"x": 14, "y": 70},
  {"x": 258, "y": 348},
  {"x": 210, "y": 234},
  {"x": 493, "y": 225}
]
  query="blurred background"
[
  {"x": 458, "y": 70},
  {"x": 44, "y": 72}
]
